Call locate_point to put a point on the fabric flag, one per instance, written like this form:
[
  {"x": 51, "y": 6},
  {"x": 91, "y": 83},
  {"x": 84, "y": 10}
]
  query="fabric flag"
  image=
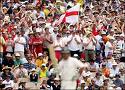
[{"x": 70, "y": 16}]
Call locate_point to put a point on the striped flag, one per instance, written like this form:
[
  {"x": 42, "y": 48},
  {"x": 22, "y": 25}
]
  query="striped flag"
[{"x": 70, "y": 16}]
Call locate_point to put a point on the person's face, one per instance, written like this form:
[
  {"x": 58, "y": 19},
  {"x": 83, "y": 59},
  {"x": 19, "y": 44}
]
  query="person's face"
[
  {"x": 7, "y": 78},
  {"x": 17, "y": 57},
  {"x": 40, "y": 57},
  {"x": 103, "y": 66},
  {"x": 47, "y": 30},
  {"x": 71, "y": 27},
  {"x": 93, "y": 82},
  {"x": 106, "y": 82},
  {"x": 30, "y": 60},
  {"x": 98, "y": 76},
  {"x": 65, "y": 56},
  {"x": 37, "y": 34},
  {"x": 7, "y": 70},
  {"x": 8, "y": 58},
  {"x": 43, "y": 68},
  {"x": 1, "y": 81},
  {"x": 56, "y": 81},
  {"x": 114, "y": 66},
  {"x": 21, "y": 66}
]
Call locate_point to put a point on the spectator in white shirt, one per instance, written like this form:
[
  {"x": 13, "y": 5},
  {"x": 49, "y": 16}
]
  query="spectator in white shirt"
[
  {"x": 109, "y": 46},
  {"x": 9, "y": 84},
  {"x": 114, "y": 70},
  {"x": 20, "y": 42},
  {"x": 99, "y": 80},
  {"x": 89, "y": 45},
  {"x": 20, "y": 72},
  {"x": 73, "y": 43}
]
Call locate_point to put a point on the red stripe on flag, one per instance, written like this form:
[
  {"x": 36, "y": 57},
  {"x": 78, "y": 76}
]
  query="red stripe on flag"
[{"x": 71, "y": 13}]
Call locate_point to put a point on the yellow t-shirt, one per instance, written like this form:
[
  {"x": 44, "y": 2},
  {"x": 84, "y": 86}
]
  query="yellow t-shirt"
[{"x": 43, "y": 74}]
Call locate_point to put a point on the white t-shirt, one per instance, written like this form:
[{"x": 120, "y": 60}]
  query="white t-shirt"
[
  {"x": 120, "y": 44},
  {"x": 108, "y": 45},
  {"x": 90, "y": 46},
  {"x": 99, "y": 82},
  {"x": 8, "y": 84},
  {"x": 18, "y": 46},
  {"x": 99, "y": 39},
  {"x": 64, "y": 41},
  {"x": 69, "y": 69},
  {"x": 58, "y": 42},
  {"x": 114, "y": 71},
  {"x": 73, "y": 45}
]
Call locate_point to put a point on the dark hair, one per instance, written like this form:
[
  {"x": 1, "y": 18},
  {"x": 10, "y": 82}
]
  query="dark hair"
[{"x": 117, "y": 75}]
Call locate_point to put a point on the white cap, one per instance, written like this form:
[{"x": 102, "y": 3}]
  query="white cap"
[
  {"x": 82, "y": 81},
  {"x": 118, "y": 88},
  {"x": 75, "y": 55},
  {"x": 88, "y": 73},
  {"x": 56, "y": 79},
  {"x": 33, "y": 70},
  {"x": 103, "y": 32},
  {"x": 40, "y": 54},
  {"x": 111, "y": 75},
  {"x": 40, "y": 16},
  {"x": 44, "y": 65},
  {"x": 17, "y": 54},
  {"x": 86, "y": 87},
  {"x": 114, "y": 63},
  {"x": 34, "y": 22}
]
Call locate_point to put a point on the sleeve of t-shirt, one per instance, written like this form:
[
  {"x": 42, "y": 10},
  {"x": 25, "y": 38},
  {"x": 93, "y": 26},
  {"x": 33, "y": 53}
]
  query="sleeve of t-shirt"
[
  {"x": 78, "y": 38},
  {"x": 23, "y": 40},
  {"x": 108, "y": 45},
  {"x": 78, "y": 63},
  {"x": 3, "y": 41},
  {"x": 85, "y": 40}
]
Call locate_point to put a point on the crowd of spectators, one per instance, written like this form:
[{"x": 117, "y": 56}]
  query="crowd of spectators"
[{"x": 28, "y": 27}]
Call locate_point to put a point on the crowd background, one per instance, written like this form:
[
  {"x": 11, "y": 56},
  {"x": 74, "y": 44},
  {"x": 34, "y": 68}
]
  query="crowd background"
[{"x": 28, "y": 27}]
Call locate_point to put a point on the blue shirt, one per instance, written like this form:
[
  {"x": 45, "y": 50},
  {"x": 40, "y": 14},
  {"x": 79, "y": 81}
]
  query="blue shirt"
[{"x": 29, "y": 66}]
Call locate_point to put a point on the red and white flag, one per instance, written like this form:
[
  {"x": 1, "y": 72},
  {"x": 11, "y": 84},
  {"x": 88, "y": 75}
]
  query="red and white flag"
[{"x": 70, "y": 16}]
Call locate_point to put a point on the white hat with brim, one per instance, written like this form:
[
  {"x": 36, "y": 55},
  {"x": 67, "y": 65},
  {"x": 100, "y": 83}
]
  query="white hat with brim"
[
  {"x": 43, "y": 65},
  {"x": 40, "y": 54},
  {"x": 56, "y": 79},
  {"x": 8, "y": 55},
  {"x": 110, "y": 88},
  {"x": 118, "y": 88},
  {"x": 40, "y": 16},
  {"x": 82, "y": 81},
  {"x": 5, "y": 8},
  {"x": 6, "y": 68},
  {"x": 34, "y": 22},
  {"x": 103, "y": 32},
  {"x": 75, "y": 55},
  {"x": 114, "y": 64},
  {"x": 33, "y": 70},
  {"x": 17, "y": 54}
]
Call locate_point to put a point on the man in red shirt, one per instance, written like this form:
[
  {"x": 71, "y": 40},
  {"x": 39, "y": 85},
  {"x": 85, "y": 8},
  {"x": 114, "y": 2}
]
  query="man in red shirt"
[{"x": 37, "y": 44}]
